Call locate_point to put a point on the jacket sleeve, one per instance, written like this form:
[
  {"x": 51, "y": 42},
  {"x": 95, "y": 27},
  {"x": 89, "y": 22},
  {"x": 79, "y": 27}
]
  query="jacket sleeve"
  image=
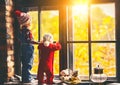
[
  {"x": 56, "y": 46},
  {"x": 39, "y": 46},
  {"x": 29, "y": 36}
]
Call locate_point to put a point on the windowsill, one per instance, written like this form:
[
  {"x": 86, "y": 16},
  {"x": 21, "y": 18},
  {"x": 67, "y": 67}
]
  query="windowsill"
[{"x": 58, "y": 81}]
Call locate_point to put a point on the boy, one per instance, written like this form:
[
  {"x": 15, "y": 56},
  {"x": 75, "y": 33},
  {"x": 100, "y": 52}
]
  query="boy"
[{"x": 26, "y": 42}]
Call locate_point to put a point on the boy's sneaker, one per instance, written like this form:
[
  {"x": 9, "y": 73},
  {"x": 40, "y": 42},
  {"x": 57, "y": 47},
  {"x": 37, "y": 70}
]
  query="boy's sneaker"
[{"x": 32, "y": 81}]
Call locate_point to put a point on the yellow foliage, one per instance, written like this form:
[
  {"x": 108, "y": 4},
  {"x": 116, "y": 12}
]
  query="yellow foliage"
[{"x": 102, "y": 29}]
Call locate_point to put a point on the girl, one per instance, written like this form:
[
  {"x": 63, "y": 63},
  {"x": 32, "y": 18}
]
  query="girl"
[{"x": 47, "y": 49}]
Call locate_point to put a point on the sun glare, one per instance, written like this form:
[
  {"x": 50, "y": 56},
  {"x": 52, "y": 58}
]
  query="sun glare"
[
  {"x": 79, "y": 2},
  {"x": 80, "y": 9}
]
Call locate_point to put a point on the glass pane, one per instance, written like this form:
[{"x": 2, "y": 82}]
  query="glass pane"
[
  {"x": 80, "y": 22},
  {"x": 81, "y": 59},
  {"x": 50, "y": 24},
  {"x": 103, "y": 22},
  {"x": 104, "y": 54},
  {"x": 34, "y": 29}
]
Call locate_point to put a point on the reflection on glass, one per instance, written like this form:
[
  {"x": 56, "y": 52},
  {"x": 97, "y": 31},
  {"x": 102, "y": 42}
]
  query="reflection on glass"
[
  {"x": 104, "y": 54},
  {"x": 81, "y": 59},
  {"x": 50, "y": 24},
  {"x": 103, "y": 22}
]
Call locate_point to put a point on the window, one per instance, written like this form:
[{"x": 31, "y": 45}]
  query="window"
[
  {"x": 103, "y": 31},
  {"x": 91, "y": 39}
]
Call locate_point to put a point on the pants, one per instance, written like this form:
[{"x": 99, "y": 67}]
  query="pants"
[
  {"x": 27, "y": 62},
  {"x": 49, "y": 74}
]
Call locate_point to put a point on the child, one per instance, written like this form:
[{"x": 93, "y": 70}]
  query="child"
[
  {"x": 47, "y": 49},
  {"x": 27, "y": 48}
]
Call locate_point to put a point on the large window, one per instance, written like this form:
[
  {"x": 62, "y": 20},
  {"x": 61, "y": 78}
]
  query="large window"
[{"x": 91, "y": 39}]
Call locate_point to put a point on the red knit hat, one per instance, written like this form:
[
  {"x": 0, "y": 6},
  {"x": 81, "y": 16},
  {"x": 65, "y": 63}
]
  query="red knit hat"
[{"x": 23, "y": 18}]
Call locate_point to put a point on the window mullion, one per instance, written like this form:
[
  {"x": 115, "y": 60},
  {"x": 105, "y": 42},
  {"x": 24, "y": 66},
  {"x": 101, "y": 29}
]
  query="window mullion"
[
  {"x": 70, "y": 37},
  {"x": 89, "y": 39}
]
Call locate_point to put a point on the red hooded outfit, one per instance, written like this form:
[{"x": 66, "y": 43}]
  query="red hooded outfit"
[{"x": 46, "y": 62}]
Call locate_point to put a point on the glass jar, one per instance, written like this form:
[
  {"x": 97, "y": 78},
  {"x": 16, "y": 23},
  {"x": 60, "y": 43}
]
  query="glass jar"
[{"x": 98, "y": 76}]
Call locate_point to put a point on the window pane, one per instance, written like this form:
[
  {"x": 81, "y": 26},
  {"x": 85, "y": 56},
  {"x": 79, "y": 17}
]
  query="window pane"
[
  {"x": 34, "y": 29},
  {"x": 103, "y": 22},
  {"x": 81, "y": 59},
  {"x": 104, "y": 54},
  {"x": 80, "y": 22},
  {"x": 50, "y": 24}
]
